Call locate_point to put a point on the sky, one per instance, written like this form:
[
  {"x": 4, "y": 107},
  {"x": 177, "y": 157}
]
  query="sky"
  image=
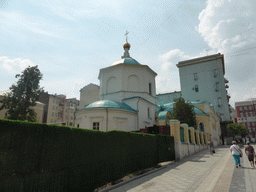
[{"x": 71, "y": 41}]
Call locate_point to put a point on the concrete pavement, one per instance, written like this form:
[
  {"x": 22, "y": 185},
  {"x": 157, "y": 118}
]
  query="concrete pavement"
[{"x": 199, "y": 172}]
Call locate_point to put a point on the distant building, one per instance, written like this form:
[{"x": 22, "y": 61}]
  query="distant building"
[
  {"x": 202, "y": 80},
  {"x": 168, "y": 97},
  {"x": 89, "y": 94},
  {"x": 246, "y": 115},
  {"x": 38, "y": 108},
  {"x": 59, "y": 110}
]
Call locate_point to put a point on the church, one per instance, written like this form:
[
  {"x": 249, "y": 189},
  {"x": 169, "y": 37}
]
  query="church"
[{"x": 125, "y": 99}]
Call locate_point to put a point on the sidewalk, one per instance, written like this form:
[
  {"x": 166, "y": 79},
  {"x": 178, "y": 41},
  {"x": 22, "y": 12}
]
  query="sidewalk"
[{"x": 200, "y": 172}]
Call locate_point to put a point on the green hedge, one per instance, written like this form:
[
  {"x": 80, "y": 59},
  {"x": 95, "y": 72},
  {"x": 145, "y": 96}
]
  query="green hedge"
[{"x": 41, "y": 157}]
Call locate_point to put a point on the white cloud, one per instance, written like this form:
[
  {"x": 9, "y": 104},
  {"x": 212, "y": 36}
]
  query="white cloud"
[
  {"x": 168, "y": 77},
  {"x": 229, "y": 27},
  {"x": 14, "y": 66}
]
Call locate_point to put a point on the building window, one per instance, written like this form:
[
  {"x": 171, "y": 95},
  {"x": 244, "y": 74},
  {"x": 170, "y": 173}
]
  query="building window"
[
  {"x": 201, "y": 126},
  {"x": 53, "y": 107},
  {"x": 148, "y": 112},
  {"x": 196, "y": 88},
  {"x": 52, "y": 114},
  {"x": 217, "y": 86},
  {"x": 195, "y": 76},
  {"x": 245, "y": 108},
  {"x": 96, "y": 126},
  {"x": 71, "y": 117},
  {"x": 77, "y": 125},
  {"x": 240, "y": 108},
  {"x": 215, "y": 72},
  {"x": 149, "y": 89},
  {"x": 70, "y": 124},
  {"x": 219, "y": 102}
]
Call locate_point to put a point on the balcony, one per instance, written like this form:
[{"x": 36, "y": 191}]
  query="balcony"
[
  {"x": 226, "y": 81},
  {"x": 226, "y": 86}
]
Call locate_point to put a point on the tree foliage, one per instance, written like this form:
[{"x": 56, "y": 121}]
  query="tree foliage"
[
  {"x": 23, "y": 95},
  {"x": 237, "y": 129},
  {"x": 184, "y": 112}
]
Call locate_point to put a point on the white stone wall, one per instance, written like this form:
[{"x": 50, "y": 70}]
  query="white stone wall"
[
  {"x": 115, "y": 82},
  {"x": 109, "y": 119},
  {"x": 144, "y": 119},
  {"x": 183, "y": 150}
]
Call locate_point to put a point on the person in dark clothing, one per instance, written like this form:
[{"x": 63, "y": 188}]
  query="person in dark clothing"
[{"x": 249, "y": 150}]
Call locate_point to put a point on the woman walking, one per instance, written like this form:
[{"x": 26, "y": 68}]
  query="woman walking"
[
  {"x": 249, "y": 150},
  {"x": 236, "y": 152}
]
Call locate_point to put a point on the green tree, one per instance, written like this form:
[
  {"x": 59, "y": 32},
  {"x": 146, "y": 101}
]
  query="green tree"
[
  {"x": 23, "y": 95},
  {"x": 184, "y": 112},
  {"x": 237, "y": 129}
]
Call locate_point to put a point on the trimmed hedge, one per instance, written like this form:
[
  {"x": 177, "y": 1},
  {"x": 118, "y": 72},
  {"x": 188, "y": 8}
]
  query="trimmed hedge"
[{"x": 41, "y": 157}]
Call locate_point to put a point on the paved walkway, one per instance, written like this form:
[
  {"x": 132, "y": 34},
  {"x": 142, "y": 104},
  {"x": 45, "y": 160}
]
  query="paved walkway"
[{"x": 200, "y": 172}]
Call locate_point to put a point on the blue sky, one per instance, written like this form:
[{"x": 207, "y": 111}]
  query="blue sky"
[{"x": 71, "y": 40}]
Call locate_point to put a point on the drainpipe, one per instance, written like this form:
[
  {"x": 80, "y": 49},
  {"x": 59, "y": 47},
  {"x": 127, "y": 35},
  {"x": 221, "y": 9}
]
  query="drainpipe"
[
  {"x": 138, "y": 114},
  {"x": 107, "y": 119}
]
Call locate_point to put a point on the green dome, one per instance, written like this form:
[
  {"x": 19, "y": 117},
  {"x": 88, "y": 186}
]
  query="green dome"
[
  {"x": 126, "y": 60},
  {"x": 109, "y": 104}
]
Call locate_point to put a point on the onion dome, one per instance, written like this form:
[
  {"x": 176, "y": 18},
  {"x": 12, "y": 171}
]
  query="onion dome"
[{"x": 126, "y": 45}]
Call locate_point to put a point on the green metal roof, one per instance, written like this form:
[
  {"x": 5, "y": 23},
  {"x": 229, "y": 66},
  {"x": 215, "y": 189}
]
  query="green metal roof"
[
  {"x": 127, "y": 60},
  {"x": 109, "y": 104},
  {"x": 168, "y": 107},
  {"x": 162, "y": 115}
]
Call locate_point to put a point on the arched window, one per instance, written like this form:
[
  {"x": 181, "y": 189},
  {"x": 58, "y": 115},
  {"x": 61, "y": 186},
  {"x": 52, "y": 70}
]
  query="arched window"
[
  {"x": 201, "y": 126},
  {"x": 112, "y": 85}
]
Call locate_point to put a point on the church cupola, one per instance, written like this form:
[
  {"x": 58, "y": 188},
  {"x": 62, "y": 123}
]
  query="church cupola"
[{"x": 126, "y": 47}]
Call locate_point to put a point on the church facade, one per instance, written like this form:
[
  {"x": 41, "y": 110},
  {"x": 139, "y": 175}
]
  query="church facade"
[{"x": 127, "y": 97}]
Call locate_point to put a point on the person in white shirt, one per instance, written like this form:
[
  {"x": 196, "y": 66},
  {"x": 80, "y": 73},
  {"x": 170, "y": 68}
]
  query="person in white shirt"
[{"x": 236, "y": 152}]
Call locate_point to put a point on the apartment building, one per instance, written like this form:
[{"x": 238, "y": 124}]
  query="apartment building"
[
  {"x": 245, "y": 115},
  {"x": 58, "y": 109}
]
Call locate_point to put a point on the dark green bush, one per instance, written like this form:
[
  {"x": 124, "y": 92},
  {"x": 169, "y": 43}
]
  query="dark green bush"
[{"x": 40, "y": 157}]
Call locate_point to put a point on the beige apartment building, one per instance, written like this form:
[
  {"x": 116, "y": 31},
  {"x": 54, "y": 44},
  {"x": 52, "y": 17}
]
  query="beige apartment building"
[
  {"x": 58, "y": 109},
  {"x": 39, "y": 109}
]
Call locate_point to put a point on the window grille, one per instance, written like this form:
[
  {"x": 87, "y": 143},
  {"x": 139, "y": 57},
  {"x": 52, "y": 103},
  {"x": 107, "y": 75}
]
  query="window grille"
[{"x": 96, "y": 126}]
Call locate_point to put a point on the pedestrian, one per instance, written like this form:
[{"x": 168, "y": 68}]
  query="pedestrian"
[
  {"x": 211, "y": 147},
  {"x": 249, "y": 150},
  {"x": 236, "y": 153}
]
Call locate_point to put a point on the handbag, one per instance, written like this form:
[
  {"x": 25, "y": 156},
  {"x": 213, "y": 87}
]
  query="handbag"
[{"x": 239, "y": 152}]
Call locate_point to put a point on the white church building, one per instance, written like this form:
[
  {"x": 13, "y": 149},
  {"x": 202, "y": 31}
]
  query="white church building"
[{"x": 125, "y": 99}]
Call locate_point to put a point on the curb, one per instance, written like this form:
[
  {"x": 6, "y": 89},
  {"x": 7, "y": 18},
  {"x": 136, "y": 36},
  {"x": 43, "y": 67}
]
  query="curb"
[{"x": 134, "y": 178}]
